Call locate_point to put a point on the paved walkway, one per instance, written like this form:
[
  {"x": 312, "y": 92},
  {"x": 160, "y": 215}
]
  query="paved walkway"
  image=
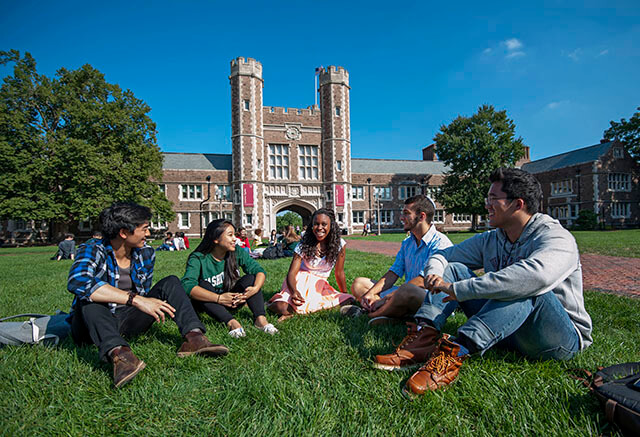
[{"x": 608, "y": 274}]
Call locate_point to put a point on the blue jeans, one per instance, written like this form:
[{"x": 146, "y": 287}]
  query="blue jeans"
[{"x": 538, "y": 327}]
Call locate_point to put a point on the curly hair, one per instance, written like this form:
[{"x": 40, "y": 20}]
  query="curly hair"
[{"x": 309, "y": 242}]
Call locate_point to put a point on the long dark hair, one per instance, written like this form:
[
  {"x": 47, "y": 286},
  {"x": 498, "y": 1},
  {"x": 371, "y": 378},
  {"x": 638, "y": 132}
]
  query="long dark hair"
[
  {"x": 206, "y": 246},
  {"x": 309, "y": 241}
]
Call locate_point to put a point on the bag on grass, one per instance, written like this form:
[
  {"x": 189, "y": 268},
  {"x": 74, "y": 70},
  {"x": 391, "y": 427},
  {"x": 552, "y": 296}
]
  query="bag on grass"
[
  {"x": 39, "y": 329},
  {"x": 618, "y": 389},
  {"x": 273, "y": 252}
]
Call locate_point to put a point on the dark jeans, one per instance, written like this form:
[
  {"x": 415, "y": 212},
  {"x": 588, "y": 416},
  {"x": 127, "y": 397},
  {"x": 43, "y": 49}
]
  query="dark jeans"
[
  {"x": 93, "y": 322},
  {"x": 224, "y": 314}
]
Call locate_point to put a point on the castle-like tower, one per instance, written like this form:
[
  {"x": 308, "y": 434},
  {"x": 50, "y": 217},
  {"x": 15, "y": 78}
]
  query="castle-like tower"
[
  {"x": 246, "y": 138},
  {"x": 289, "y": 158},
  {"x": 336, "y": 138}
]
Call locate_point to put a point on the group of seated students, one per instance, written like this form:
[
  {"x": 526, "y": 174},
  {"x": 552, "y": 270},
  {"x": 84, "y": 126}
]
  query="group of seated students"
[
  {"x": 178, "y": 242},
  {"x": 529, "y": 298}
]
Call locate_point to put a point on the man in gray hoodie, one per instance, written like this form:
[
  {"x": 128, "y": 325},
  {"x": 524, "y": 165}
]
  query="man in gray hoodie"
[{"x": 529, "y": 299}]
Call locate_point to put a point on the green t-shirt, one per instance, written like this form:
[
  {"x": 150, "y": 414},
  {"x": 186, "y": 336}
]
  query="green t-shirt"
[{"x": 201, "y": 266}]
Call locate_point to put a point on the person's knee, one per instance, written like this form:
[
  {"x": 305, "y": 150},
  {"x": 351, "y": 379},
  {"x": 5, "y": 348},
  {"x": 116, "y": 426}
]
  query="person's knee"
[
  {"x": 359, "y": 287},
  {"x": 455, "y": 272},
  {"x": 409, "y": 294}
]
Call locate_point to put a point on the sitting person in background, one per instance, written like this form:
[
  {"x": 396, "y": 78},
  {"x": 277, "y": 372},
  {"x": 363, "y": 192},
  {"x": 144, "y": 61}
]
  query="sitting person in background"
[
  {"x": 305, "y": 289},
  {"x": 290, "y": 240},
  {"x": 241, "y": 239},
  {"x": 111, "y": 279},
  {"x": 168, "y": 243},
  {"x": 95, "y": 236},
  {"x": 66, "y": 248},
  {"x": 185, "y": 238},
  {"x": 257, "y": 239},
  {"x": 273, "y": 239},
  {"x": 178, "y": 241}
]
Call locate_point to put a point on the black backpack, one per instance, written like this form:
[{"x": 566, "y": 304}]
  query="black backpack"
[
  {"x": 618, "y": 389},
  {"x": 274, "y": 252}
]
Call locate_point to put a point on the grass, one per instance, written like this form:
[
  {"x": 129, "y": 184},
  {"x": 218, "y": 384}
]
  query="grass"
[
  {"x": 315, "y": 377},
  {"x": 625, "y": 243}
]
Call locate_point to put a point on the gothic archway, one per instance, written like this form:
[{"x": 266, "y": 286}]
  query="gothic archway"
[{"x": 303, "y": 209}]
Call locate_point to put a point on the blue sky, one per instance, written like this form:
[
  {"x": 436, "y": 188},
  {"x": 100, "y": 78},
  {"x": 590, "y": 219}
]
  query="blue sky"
[{"x": 561, "y": 69}]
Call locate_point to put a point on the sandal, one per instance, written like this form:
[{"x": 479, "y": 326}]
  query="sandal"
[
  {"x": 268, "y": 328},
  {"x": 237, "y": 333}
]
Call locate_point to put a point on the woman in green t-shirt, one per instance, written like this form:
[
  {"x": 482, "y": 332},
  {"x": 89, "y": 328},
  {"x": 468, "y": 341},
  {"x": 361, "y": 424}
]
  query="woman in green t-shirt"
[{"x": 212, "y": 279}]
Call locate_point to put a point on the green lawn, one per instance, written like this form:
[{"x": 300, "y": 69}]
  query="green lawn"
[
  {"x": 624, "y": 243},
  {"x": 314, "y": 378}
]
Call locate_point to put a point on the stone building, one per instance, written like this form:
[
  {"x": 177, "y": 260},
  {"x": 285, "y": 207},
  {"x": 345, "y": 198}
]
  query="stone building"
[{"x": 602, "y": 178}]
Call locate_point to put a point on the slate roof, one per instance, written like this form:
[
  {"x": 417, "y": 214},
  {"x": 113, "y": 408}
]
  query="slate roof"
[
  {"x": 196, "y": 161},
  {"x": 396, "y": 166},
  {"x": 575, "y": 157}
]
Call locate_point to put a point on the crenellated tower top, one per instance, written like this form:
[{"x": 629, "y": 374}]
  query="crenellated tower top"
[
  {"x": 246, "y": 67},
  {"x": 333, "y": 74}
]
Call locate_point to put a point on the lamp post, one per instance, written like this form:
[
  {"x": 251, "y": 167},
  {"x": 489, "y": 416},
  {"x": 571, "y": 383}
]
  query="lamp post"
[
  {"x": 369, "y": 212},
  {"x": 377, "y": 194},
  {"x": 205, "y": 200}
]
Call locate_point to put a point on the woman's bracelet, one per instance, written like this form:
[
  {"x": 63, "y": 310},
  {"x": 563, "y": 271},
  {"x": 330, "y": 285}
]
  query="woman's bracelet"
[
  {"x": 218, "y": 299},
  {"x": 130, "y": 300}
]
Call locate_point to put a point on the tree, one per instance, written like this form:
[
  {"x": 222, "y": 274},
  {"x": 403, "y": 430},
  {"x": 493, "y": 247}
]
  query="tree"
[
  {"x": 628, "y": 133},
  {"x": 73, "y": 144},
  {"x": 472, "y": 147},
  {"x": 288, "y": 218}
]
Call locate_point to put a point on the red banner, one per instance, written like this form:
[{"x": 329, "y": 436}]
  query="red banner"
[
  {"x": 247, "y": 193},
  {"x": 339, "y": 195}
]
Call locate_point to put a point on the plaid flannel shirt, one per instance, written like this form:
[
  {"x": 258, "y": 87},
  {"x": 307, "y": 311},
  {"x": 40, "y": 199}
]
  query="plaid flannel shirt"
[{"x": 95, "y": 265}]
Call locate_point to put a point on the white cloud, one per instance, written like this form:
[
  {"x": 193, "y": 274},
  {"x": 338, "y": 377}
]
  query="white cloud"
[
  {"x": 602, "y": 53},
  {"x": 487, "y": 51},
  {"x": 575, "y": 55},
  {"x": 514, "y": 55},
  {"x": 556, "y": 105},
  {"x": 513, "y": 44}
]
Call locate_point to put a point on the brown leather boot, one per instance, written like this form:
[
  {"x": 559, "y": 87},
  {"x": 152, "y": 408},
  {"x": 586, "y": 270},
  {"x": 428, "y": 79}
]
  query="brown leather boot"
[
  {"x": 197, "y": 343},
  {"x": 441, "y": 369},
  {"x": 414, "y": 349},
  {"x": 125, "y": 365}
]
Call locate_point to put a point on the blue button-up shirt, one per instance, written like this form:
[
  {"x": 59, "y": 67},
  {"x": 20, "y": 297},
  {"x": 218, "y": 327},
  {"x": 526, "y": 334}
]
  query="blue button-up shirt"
[
  {"x": 414, "y": 254},
  {"x": 95, "y": 265}
]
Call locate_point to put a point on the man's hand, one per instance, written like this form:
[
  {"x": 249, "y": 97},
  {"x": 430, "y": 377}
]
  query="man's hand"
[
  {"x": 435, "y": 284},
  {"x": 154, "y": 307},
  {"x": 368, "y": 300}
]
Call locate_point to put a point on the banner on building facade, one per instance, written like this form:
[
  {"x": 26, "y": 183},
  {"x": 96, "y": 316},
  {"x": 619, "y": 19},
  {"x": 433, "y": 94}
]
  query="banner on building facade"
[
  {"x": 247, "y": 194},
  {"x": 339, "y": 195}
]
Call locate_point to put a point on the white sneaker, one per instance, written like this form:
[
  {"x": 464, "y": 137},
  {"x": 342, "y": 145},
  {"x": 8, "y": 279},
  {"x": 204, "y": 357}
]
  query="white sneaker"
[
  {"x": 269, "y": 329},
  {"x": 237, "y": 333}
]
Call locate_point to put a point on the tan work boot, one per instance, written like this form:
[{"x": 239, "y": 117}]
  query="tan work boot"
[
  {"x": 125, "y": 365},
  {"x": 441, "y": 369},
  {"x": 414, "y": 349},
  {"x": 197, "y": 343}
]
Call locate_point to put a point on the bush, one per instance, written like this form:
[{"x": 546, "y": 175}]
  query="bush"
[{"x": 587, "y": 220}]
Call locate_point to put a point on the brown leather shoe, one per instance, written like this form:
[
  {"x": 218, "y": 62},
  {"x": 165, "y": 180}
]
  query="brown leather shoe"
[
  {"x": 125, "y": 365},
  {"x": 441, "y": 369},
  {"x": 414, "y": 349},
  {"x": 197, "y": 343}
]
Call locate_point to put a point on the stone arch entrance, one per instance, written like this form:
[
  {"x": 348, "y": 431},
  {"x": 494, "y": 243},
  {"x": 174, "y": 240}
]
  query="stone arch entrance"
[{"x": 304, "y": 209}]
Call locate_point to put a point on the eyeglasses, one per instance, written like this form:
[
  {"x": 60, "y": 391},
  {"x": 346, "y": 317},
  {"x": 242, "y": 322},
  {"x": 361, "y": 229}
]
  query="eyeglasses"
[{"x": 492, "y": 200}]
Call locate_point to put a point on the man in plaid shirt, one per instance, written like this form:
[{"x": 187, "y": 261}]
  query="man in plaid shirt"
[{"x": 111, "y": 279}]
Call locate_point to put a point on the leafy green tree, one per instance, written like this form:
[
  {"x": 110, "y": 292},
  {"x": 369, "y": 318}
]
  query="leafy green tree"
[
  {"x": 628, "y": 132},
  {"x": 587, "y": 220},
  {"x": 288, "y": 218},
  {"x": 72, "y": 144},
  {"x": 472, "y": 147}
]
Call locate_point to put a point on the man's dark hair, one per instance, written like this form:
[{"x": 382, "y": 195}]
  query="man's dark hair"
[
  {"x": 69, "y": 235},
  {"x": 421, "y": 203},
  {"x": 96, "y": 234},
  {"x": 123, "y": 215},
  {"x": 519, "y": 184}
]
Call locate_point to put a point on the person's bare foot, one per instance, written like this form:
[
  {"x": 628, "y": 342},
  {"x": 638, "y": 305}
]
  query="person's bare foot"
[
  {"x": 233, "y": 324},
  {"x": 284, "y": 317},
  {"x": 261, "y": 322}
]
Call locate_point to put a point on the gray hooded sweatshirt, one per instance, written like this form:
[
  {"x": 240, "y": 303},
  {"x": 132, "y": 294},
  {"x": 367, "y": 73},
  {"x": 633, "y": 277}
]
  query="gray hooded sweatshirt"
[{"x": 544, "y": 258}]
